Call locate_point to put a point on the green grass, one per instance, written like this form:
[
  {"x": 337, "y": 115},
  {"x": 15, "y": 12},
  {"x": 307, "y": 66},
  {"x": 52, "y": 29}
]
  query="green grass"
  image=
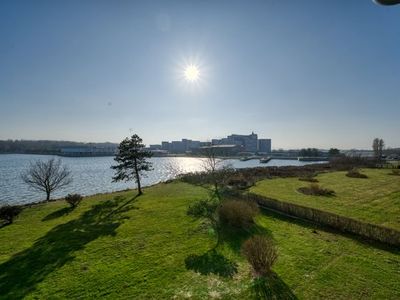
[
  {"x": 375, "y": 199},
  {"x": 114, "y": 246}
]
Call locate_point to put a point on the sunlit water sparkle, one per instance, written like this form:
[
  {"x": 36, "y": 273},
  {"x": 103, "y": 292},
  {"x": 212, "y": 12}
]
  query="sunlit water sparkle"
[{"x": 92, "y": 175}]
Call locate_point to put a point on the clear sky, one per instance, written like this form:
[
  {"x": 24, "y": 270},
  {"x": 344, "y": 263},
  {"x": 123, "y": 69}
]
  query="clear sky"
[{"x": 304, "y": 73}]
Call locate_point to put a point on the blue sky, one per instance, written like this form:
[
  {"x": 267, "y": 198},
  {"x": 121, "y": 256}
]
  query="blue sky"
[{"x": 304, "y": 73}]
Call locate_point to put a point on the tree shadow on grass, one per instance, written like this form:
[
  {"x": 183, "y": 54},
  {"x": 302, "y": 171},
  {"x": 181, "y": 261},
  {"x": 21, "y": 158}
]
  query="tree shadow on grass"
[
  {"x": 211, "y": 262},
  {"x": 235, "y": 237},
  {"x": 271, "y": 287},
  {"x": 58, "y": 213},
  {"x": 20, "y": 275}
]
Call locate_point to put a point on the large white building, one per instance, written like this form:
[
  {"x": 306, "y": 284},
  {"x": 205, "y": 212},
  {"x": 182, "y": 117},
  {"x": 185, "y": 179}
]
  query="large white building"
[{"x": 247, "y": 143}]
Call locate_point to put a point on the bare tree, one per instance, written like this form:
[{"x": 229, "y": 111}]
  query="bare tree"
[
  {"x": 381, "y": 145},
  {"x": 378, "y": 146},
  {"x": 47, "y": 176},
  {"x": 215, "y": 169}
]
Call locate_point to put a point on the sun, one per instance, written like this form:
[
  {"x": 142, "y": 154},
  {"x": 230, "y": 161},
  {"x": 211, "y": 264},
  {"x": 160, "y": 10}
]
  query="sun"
[{"x": 192, "y": 73}]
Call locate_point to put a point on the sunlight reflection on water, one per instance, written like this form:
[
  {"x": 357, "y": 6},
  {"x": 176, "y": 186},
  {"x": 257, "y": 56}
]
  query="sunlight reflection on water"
[{"x": 93, "y": 175}]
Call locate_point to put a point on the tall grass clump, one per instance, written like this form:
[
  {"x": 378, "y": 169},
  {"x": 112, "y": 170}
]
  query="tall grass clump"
[
  {"x": 315, "y": 190},
  {"x": 355, "y": 173},
  {"x": 395, "y": 172},
  {"x": 237, "y": 213},
  {"x": 261, "y": 253}
]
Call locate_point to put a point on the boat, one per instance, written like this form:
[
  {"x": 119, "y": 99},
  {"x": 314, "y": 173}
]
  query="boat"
[
  {"x": 264, "y": 160},
  {"x": 302, "y": 158}
]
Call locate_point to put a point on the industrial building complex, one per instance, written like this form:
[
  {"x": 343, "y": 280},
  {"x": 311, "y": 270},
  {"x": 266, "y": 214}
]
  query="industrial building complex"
[{"x": 231, "y": 145}]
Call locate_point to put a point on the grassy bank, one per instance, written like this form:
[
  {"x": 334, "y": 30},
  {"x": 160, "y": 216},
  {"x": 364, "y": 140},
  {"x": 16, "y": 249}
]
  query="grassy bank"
[
  {"x": 116, "y": 246},
  {"x": 375, "y": 199}
]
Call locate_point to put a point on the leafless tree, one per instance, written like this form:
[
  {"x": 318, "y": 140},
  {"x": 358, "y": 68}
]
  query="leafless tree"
[
  {"x": 47, "y": 176},
  {"x": 378, "y": 146},
  {"x": 215, "y": 169},
  {"x": 375, "y": 147}
]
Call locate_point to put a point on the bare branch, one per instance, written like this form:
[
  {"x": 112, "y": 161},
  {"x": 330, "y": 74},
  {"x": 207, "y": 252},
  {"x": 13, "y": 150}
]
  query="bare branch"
[{"x": 47, "y": 176}]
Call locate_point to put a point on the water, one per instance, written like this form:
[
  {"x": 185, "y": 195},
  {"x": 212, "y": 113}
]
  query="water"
[{"x": 93, "y": 175}]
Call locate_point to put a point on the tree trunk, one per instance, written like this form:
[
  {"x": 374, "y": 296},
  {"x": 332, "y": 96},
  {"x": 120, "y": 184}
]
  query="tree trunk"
[
  {"x": 138, "y": 179},
  {"x": 138, "y": 185},
  {"x": 216, "y": 191},
  {"x": 47, "y": 195}
]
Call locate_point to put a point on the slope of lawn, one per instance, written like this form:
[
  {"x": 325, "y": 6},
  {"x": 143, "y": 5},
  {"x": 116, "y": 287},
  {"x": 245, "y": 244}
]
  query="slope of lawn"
[
  {"x": 375, "y": 199},
  {"x": 115, "y": 246}
]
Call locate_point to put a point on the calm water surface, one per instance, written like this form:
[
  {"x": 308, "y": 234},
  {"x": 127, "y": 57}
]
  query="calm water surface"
[{"x": 93, "y": 175}]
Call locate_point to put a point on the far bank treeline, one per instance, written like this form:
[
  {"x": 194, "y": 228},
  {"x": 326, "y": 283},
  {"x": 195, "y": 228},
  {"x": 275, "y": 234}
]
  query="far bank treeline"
[{"x": 43, "y": 146}]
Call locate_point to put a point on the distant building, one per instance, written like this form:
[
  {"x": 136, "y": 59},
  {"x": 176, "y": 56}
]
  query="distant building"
[
  {"x": 177, "y": 147},
  {"x": 264, "y": 145},
  {"x": 220, "y": 150},
  {"x": 249, "y": 142},
  {"x": 165, "y": 146},
  {"x": 88, "y": 151},
  {"x": 246, "y": 143},
  {"x": 155, "y": 147}
]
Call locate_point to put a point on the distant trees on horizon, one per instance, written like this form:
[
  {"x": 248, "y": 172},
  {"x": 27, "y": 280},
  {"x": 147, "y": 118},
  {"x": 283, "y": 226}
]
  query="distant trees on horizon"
[
  {"x": 43, "y": 146},
  {"x": 378, "y": 146},
  {"x": 309, "y": 152}
]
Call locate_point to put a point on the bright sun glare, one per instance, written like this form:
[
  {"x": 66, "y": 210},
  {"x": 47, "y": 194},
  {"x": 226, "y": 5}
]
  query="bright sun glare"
[{"x": 192, "y": 73}]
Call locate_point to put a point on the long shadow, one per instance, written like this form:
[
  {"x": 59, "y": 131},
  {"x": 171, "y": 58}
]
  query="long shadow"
[
  {"x": 234, "y": 238},
  {"x": 211, "y": 262},
  {"x": 58, "y": 213},
  {"x": 20, "y": 275},
  {"x": 271, "y": 287},
  {"x": 124, "y": 206},
  {"x": 268, "y": 287}
]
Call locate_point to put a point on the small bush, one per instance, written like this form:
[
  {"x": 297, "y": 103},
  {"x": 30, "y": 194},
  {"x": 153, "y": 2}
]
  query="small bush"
[
  {"x": 9, "y": 212},
  {"x": 202, "y": 209},
  {"x": 308, "y": 178},
  {"x": 73, "y": 199},
  {"x": 395, "y": 172},
  {"x": 238, "y": 214},
  {"x": 315, "y": 190},
  {"x": 261, "y": 253},
  {"x": 239, "y": 181},
  {"x": 355, "y": 173}
]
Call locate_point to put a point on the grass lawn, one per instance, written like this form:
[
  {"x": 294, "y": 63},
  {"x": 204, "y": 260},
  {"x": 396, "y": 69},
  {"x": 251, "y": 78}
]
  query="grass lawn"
[
  {"x": 114, "y": 246},
  {"x": 375, "y": 199}
]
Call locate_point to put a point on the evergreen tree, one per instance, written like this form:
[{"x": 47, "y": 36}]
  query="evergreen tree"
[{"x": 132, "y": 161}]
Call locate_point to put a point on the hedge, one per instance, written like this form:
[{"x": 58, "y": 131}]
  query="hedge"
[{"x": 344, "y": 224}]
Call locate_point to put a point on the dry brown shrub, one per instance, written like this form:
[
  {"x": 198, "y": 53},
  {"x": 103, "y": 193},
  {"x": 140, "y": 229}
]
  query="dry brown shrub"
[
  {"x": 355, "y": 173},
  {"x": 238, "y": 213},
  {"x": 261, "y": 253},
  {"x": 315, "y": 190}
]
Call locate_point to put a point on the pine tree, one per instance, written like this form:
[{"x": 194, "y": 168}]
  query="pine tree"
[{"x": 132, "y": 161}]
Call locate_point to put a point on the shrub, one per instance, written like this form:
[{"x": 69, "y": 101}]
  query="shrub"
[
  {"x": 355, "y": 173},
  {"x": 239, "y": 181},
  {"x": 202, "y": 209},
  {"x": 9, "y": 212},
  {"x": 309, "y": 178},
  {"x": 261, "y": 253},
  {"x": 395, "y": 172},
  {"x": 345, "y": 162},
  {"x": 238, "y": 213},
  {"x": 73, "y": 199},
  {"x": 315, "y": 190}
]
